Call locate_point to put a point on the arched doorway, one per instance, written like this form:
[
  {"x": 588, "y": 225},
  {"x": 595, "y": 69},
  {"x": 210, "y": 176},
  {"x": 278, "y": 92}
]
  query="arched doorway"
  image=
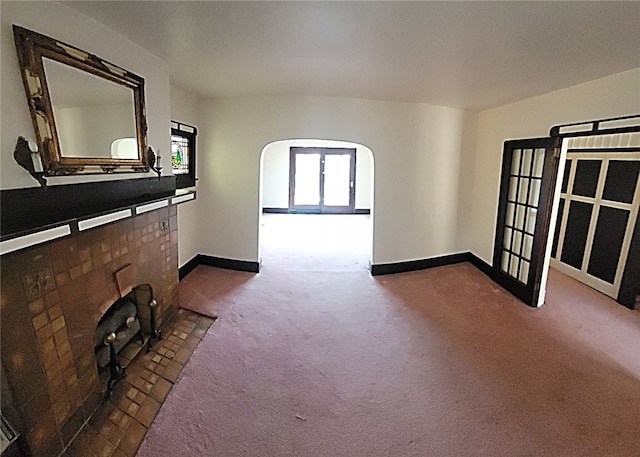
[{"x": 295, "y": 230}]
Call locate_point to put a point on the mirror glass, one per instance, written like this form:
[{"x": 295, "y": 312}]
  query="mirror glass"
[{"x": 94, "y": 117}]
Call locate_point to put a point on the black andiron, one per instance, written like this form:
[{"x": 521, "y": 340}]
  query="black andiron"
[
  {"x": 155, "y": 332},
  {"x": 116, "y": 370}
]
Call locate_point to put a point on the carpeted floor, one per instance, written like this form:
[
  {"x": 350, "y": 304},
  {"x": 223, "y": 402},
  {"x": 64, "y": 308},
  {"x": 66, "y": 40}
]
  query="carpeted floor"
[{"x": 314, "y": 357}]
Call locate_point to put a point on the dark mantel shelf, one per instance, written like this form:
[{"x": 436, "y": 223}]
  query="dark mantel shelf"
[{"x": 66, "y": 209}]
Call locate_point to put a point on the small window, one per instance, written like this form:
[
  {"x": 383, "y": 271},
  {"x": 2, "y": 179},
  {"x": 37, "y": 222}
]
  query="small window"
[{"x": 183, "y": 154}]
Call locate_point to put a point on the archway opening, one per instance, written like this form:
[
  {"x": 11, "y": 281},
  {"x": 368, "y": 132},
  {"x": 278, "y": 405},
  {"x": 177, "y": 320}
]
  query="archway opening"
[{"x": 316, "y": 205}]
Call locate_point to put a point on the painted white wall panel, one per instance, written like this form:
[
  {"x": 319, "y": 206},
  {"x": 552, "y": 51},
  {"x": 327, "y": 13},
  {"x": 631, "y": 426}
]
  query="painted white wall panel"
[
  {"x": 275, "y": 175},
  {"x": 420, "y": 154},
  {"x": 184, "y": 108}
]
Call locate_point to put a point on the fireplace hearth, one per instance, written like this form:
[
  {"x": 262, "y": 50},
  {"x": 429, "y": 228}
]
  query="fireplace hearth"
[{"x": 54, "y": 296}]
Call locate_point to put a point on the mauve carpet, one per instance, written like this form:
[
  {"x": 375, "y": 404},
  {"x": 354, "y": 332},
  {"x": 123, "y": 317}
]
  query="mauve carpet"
[{"x": 441, "y": 362}]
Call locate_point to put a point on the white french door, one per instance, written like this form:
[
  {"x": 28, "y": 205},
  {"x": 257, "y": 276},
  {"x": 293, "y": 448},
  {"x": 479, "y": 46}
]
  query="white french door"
[{"x": 597, "y": 214}]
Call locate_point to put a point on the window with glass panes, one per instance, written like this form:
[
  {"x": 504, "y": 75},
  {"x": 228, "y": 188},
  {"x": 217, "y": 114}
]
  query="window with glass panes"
[{"x": 183, "y": 154}]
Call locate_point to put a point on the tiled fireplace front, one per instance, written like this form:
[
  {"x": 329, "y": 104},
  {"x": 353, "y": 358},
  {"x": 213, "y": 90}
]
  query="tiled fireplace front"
[{"x": 52, "y": 298}]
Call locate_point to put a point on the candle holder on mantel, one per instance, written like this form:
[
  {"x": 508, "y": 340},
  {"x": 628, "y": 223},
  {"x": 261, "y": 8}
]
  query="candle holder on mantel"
[
  {"x": 29, "y": 160},
  {"x": 153, "y": 160}
]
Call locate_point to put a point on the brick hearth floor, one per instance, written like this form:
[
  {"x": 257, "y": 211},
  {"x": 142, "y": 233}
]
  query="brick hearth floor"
[{"x": 121, "y": 422}]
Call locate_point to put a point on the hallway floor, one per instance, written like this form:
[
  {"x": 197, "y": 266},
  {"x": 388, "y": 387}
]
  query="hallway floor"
[{"x": 314, "y": 357}]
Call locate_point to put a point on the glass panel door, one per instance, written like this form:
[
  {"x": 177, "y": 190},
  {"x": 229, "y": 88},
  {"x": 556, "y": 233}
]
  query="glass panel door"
[
  {"x": 525, "y": 203},
  {"x": 339, "y": 174},
  {"x": 337, "y": 179},
  {"x": 307, "y": 180},
  {"x": 322, "y": 180}
]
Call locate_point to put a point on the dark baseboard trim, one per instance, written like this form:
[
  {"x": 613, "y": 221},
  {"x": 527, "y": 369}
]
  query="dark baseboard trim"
[
  {"x": 219, "y": 262},
  {"x": 376, "y": 270},
  {"x": 230, "y": 264},
  {"x": 286, "y": 211},
  {"x": 423, "y": 264},
  {"x": 480, "y": 264},
  {"x": 188, "y": 267}
]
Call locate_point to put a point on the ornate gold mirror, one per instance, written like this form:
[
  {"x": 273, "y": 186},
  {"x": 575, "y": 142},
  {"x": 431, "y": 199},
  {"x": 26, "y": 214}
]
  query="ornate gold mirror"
[{"x": 88, "y": 114}]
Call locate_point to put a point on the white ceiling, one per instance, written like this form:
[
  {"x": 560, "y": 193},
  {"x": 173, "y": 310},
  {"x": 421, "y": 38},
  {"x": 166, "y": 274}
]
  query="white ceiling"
[{"x": 462, "y": 54}]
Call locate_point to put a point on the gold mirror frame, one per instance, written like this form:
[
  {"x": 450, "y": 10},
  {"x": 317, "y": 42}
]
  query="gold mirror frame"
[{"x": 32, "y": 47}]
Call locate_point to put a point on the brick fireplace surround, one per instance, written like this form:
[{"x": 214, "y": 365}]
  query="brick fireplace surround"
[{"x": 52, "y": 297}]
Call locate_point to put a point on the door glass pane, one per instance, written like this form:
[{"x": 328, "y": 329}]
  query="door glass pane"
[
  {"x": 517, "y": 242},
  {"x": 337, "y": 179},
  {"x": 538, "y": 163},
  {"x": 524, "y": 271},
  {"x": 513, "y": 189},
  {"x": 307, "y": 180},
  {"x": 504, "y": 266},
  {"x": 575, "y": 234},
  {"x": 531, "y": 220},
  {"x": 534, "y": 194},
  {"x": 513, "y": 268},
  {"x": 520, "y": 217},
  {"x": 585, "y": 181},
  {"x": 607, "y": 243},
  {"x": 507, "y": 238},
  {"x": 515, "y": 163},
  {"x": 526, "y": 162},
  {"x": 524, "y": 189},
  {"x": 509, "y": 217},
  {"x": 527, "y": 246},
  {"x": 622, "y": 179}
]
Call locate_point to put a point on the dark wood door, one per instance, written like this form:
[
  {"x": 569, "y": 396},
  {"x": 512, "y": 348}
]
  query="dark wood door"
[
  {"x": 322, "y": 180},
  {"x": 529, "y": 170}
]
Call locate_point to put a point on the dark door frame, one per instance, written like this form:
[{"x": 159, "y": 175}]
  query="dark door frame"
[{"x": 321, "y": 208}]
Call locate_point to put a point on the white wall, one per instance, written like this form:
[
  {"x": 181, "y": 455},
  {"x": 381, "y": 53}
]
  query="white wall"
[
  {"x": 275, "y": 171},
  {"x": 275, "y": 175},
  {"x": 65, "y": 24},
  {"x": 613, "y": 96},
  {"x": 420, "y": 153},
  {"x": 184, "y": 108}
]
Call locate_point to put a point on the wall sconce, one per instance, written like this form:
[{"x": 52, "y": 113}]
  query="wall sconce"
[
  {"x": 154, "y": 160},
  {"x": 30, "y": 160}
]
